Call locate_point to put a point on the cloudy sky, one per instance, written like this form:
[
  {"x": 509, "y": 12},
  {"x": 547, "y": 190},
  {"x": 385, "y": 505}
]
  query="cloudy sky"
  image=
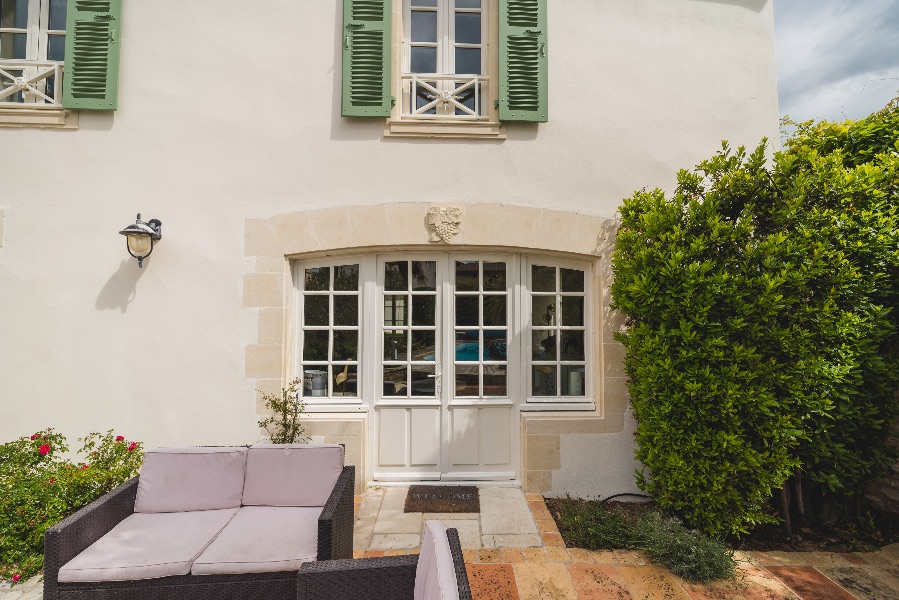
[{"x": 836, "y": 59}]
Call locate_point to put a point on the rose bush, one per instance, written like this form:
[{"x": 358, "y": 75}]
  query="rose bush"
[{"x": 39, "y": 487}]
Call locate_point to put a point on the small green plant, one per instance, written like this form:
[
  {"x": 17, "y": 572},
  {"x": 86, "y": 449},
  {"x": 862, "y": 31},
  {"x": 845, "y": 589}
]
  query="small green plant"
[
  {"x": 588, "y": 525},
  {"x": 685, "y": 552},
  {"x": 38, "y": 488},
  {"x": 284, "y": 425}
]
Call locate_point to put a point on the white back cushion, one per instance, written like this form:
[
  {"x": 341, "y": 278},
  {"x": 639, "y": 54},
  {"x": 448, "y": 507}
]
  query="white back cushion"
[
  {"x": 435, "y": 576},
  {"x": 186, "y": 479},
  {"x": 291, "y": 474}
]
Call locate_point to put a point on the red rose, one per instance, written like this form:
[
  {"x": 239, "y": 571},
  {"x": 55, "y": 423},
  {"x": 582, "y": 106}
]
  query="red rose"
[
  {"x": 132, "y": 446},
  {"x": 83, "y": 467},
  {"x": 120, "y": 438},
  {"x": 16, "y": 577},
  {"x": 35, "y": 436},
  {"x": 52, "y": 480},
  {"x": 44, "y": 449}
]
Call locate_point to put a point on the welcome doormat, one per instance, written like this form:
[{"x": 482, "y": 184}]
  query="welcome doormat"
[{"x": 442, "y": 499}]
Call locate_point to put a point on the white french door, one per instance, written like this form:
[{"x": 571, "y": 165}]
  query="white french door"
[{"x": 448, "y": 377}]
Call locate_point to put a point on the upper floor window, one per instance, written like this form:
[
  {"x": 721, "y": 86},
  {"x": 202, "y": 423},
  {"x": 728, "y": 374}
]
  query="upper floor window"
[{"x": 32, "y": 48}]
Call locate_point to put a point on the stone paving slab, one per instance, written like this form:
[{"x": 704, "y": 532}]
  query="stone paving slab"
[
  {"x": 866, "y": 583},
  {"x": 505, "y": 511}
]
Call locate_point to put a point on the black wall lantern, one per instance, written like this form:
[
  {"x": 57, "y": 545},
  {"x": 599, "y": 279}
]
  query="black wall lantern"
[{"x": 140, "y": 238}]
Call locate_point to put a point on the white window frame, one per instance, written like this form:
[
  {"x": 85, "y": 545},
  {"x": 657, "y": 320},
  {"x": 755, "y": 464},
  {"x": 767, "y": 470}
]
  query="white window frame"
[{"x": 36, "y": 62}]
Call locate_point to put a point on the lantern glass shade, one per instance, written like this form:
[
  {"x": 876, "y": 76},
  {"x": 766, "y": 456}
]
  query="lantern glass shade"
[{"x": 139, "y": 244}]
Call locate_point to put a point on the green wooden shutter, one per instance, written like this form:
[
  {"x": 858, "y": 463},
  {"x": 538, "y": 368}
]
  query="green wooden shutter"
[
  {"x": 366, "y": 58},
  {"x": 522, "y": 60},
  {"x": 91, "y": 74}
]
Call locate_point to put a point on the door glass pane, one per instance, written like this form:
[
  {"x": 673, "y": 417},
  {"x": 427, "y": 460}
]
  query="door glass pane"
[
  {"x": 395, "y": 308},
  {"x": 495, "y": 377},
  {"x": 424, "y": 275},
  {"x": 315, "y": 310},
  {"x": 346, "y": 278},
  {"x": 543, "y": 346},
  {"x": 467, "y": 345},
  {"x": 315, "y": 381},
  {"x": 14, "y": 14},
  {"x": 346, "y": 310},
  {"x": 424, "y": 26},
  {"x": 56, "y": 47},
  {"x": 396, "y": 276},
  {"x": 12, "y": 45},
  {"x": 346, "y": 345},
  {"x": 468, "y": 61},
  {"x": 466, "y": 276},
  {"x": 468, "y": 28},
  {"x": 423, "y": 347},
  {"x": 494, "y": 277},
  {"x": 423, "y": 309},
  {"x": 394, "y": 380},
  {"x": 572, "y": 381},
  {"x": 344, "y": 380},
  {"x": 467, "y": 310},
  {"x": 543, "y": 279},
  {"x": 58, "y": 14},
  {"x": 317, "y": 279},
  {"x": 543, "y": 380},
  {"x": 494, "y": 311},
  {"x": 572, "y": 345},
  {"x": 467, "y": 383},
  {"x": 543, "y": 311},
  {"x": 495, "y": 345},
  {"x": 573, "y": 311},
  {"x": 315, "y": 345},
  {"x": 423, "y": 60},
  {"x": 572, "y": 280},
  {"x": 395, "y": 345},
  {"x": 422, "y": 380}
]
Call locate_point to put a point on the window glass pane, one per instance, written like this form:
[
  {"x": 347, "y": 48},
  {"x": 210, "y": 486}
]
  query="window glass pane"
[
  {"x": 396, "y": 276},
  {"x": 424, "y": 3},
  {"x": 572, "y": 381},
  {"x": 543, "y": 279},
  {"x": 543, "y": 310},
  {"x": 467, "y": 98},
  {"x": 424, "y": 60},
  {"x": 423, "y": 345},
  {"x": 494, "y": 345},
  {"x": 317, "y": 279},
  {"x": 346, "y": 310},
  {"x": 467, "y": 276},
  {"x": 495, "y": 311},
  {"x": 468, "y": 28},
  {"x": 7, "y": 79},
  {"x": 572, "y": 345},
  {"x": 573, "y": 311},
  {"x": 346, "y": 278},
  {"x": 395, "y": 310},
  {"x": 424, "y": 26},
  {"x": 12, "y": 45},
  {"x": 466, "y": 3},
  {"x": 424, "y": 275},
  {"x": 344, "y": 381},
  {"x": 543, "y": 345},
  {"x": 315, "y": 345},
  {"x": 58, "y": 14},
  {"x": 422, "y": 380},
  {"x": 467, "y": 383},
  {"x": 424, "y": 96},
  {"x": 468, "y": 61},
  {"x": 346, "y": 345},
  {"x": 572, "y": 280},
  {"x": 396, "y": 344},
  {"x": 14, "y": 14},
  {"x": 315, "y": 381},
  {"x": 394, "y": 380},
  {"x": 495, "y": 380},
  {"x": 56, "y": 47},
  {"x": 466, "y": 310},
  {"x": 423, "y": 309},
  {"x": 494, "y": 276},
  {"x": 543, "y": 381},
  {"x": 467, "y": 346},
  {"x": 315, "y": 310}
]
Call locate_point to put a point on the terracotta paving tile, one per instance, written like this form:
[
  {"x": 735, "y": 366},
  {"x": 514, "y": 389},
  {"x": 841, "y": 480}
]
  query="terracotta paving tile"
[
  {"x": 864, "y": 582},
  {"x": 630, "y": 557},
  {"x": 759, "y": 584},
  {"x": 854, "y": 558},
  {"x": 810, "y": 583},
  {"x": 715, "y": 590},
  {"x": 488, "y": 555},
  {"x": 546, "y": 525},
  {"x": 878, "y": 558},
  {"x": 534, "y": 554},
  {"x": 557, "y": 554},
  {"x": 764, "y": 558},
  {"x": 745, "y": 558},
  {"x": 395, "y": 552},
  {"x": 652, "y": 582},
  {"x": 492, "y": 582},
  {"x": 810, "y": 559},
  {"x": 512, "y": 555},
  {"x": 598, "y": 582},
  {"x": 358, "y": 553},
  {"x": 534, "y": 497},
  {"x": 373, "y": 553},
  {"x": 579, "y": 555},
  {"x": 469, "y": 556},
  {"x": 543, "y": 581},
  {"x": 604, "y": 557},
  {"x": 552, "y": 539}
]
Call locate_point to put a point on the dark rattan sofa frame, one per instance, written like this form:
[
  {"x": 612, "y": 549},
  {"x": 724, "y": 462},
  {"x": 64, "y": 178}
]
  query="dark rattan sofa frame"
[
  {"x": 385, "y": 577},
  {"x": 71, "y": 536}
]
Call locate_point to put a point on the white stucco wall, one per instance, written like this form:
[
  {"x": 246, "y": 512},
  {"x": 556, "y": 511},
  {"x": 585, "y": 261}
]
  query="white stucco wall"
[{"x": 228, "y": 114}]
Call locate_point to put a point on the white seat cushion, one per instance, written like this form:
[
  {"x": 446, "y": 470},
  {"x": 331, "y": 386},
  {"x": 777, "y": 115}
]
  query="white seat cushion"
[
  {"x": 183, "y": 479},
  {"x": 435, "y": 575},
  {"x": 148, "y": 545},
  {"x": 260, "y": 539},
  {"x": 291, "y": 474}
]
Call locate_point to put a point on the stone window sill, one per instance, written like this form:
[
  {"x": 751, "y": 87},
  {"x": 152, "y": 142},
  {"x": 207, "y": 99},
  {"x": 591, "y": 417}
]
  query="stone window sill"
[
  {"x": 445, "y": 129},
  {"x": 45, "y": 117}
]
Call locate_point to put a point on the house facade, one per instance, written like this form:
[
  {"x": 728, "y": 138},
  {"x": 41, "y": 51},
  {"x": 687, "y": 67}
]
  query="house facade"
[{"x": 407, "y": 205}]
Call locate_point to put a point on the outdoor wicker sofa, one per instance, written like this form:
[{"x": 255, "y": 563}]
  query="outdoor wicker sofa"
[
  {"x": 265, "y": 512},
  {"x": 437, "y": 573}
]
